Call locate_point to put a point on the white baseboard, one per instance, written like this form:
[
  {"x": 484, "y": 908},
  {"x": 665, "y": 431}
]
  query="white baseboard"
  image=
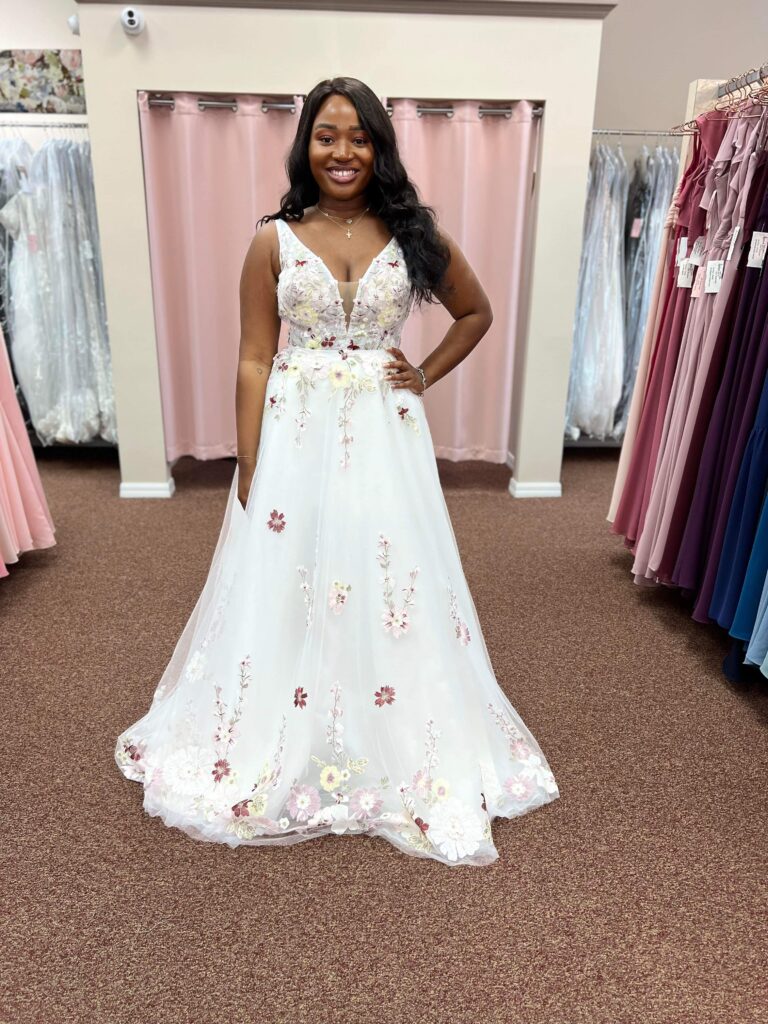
[
  {"x": 148, "y": 490},
  {"x": 536, "y": 489}
]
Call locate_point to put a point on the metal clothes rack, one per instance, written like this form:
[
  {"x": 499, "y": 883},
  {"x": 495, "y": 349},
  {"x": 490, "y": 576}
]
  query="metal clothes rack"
[
  {"x": 633, "y": 131},
  {"x": 43, "y": 124},
  {"x": 742, "y": 81}
]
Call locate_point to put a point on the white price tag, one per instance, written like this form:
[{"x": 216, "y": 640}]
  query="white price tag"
[
  {"x": 734, "y": 236},
  {"x": 697, "y": 252},
  {"x": 758, "y": 249},
  {"x": 685, "y": 274},
  {"x": 714, "y": 272},
  {"x": 682, "y": 248}
]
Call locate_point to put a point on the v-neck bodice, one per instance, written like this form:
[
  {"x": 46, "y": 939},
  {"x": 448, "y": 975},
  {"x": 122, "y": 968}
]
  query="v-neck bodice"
[{"x": 323, "y": 312}]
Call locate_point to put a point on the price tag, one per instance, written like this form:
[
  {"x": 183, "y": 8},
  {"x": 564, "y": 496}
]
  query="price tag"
[
  {"x": 734, "y": 236},
  {"x": 714, "y": 272},
  {"x": 698, "y": 284},
  {"x": 637, "y": 227},
  {"x": 685, "y": 274},
  {"x": 682, "y": 248},
  {"x": 758, "y": 249},
  {"x": 697, "y": 252}
]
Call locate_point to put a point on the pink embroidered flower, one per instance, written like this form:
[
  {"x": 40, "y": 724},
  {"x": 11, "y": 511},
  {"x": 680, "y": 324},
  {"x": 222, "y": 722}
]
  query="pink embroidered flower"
[
  {"x": 365, "y": 803},
  {"x": 395, "y": 622},
  {"x": 386, "y": 695},
  {"x": 520, "y": 750},
  {"x": 220, "y": 769},
  {"x": 462, "y": 633},
  {"x": 421, "y": 784},
  {"x": 303, "y": 802},
  {"x": 300, "y": 697},
  {"x": 276, "y": 521},
  {"x": 337, "y": 596},
  {"x": 519, "y": 788}
]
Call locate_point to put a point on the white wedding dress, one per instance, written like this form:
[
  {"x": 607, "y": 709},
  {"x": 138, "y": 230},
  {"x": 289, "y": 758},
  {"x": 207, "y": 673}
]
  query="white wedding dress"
[{"x": 333, "y": 677}]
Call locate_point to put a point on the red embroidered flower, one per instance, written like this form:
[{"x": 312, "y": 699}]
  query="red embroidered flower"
[
  {"x": 352, "y": 345},
  {"x": 423, "y": 825},
  {"x": 220, "y": 770},
  {"x": 276, "y": 521},
  {"x": 241, "y": 810},
  {"x": 402, "y": 411},
  {"x": 301, "y": 263},
  {"x": 483, "y": 804},
  {"x": 273, "y": 400},
  {"x": 393, "y": 263},
  {"x": 386, "y": 695},
  {"x": 132, "y": 751},
  {"x": 328, "y": 342},
  {"x": 300, "y": 697},
  {"x": 282, "y": 366}
]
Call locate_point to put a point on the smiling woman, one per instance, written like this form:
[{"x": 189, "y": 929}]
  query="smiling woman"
[{"x": 333, "y": 677}]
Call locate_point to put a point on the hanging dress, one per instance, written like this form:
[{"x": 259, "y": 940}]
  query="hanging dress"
[{"x": 333, "y": 677}]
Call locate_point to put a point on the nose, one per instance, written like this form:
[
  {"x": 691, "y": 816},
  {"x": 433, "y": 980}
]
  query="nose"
[{"x": 341, "y": 151}]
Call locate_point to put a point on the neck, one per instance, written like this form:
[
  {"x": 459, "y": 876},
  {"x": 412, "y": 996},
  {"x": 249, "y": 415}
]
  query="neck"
[{"x": 342, "y": 207}]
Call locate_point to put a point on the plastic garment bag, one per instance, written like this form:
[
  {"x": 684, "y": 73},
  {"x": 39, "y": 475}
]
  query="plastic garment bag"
[
  {"x": 597, "y": 362},
  {"x": 59, "y": 343}
]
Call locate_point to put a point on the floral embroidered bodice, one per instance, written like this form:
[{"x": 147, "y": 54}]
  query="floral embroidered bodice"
[{"x": 323, "y": 312}]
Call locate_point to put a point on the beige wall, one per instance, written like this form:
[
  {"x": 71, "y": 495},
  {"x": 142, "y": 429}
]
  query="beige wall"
[
  {"x": 36, "y": 24},
  {"x": 236, "y": 50},
  {"x": 653, "y": 49}
]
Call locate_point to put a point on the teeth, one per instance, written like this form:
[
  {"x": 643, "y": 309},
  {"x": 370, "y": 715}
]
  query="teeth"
[{"x": 342, "y": 174}]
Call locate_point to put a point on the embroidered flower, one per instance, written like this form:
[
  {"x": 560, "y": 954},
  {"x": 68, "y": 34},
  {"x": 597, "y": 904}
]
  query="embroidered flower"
[
  {"x": 340, "y": 376},
  {"x": 185, "y": 769},
  {"x": 337, "y": 596},
  {"x": 330, "y": 776},
  {"x": 241, "y": 809},
  {"x": 284, "y": 823},
  {"x": 257, "y": 805},
  {"x": 440, "y": 789},
  {"x": 520, "y": 750},
  {"x": 423, "y": 825},
  {"x": 276, "y": 521},
  {"x": 300, "y": 697},
  {"x": 455, "y": 829},
  {"x": 421, "y": 784},
  {"x": 303, "y": 802},
  {"x": 395, "y": 622},
  {"x": 220, "y": 770},
  {"x": 195, "y": 667},
  {"x": 460, "y": 627},
  {"x": 386, "y": 695},
  {"x": 365, "y": 803},
  {"x": 519, "y": 787}
]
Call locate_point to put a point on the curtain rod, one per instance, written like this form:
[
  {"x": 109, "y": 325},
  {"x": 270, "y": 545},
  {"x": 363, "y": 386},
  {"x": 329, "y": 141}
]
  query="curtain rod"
[
  {"x": 631, "y": 131},
  {"x": 733, "y": 84},
  {"x": 422, "y": 108}
]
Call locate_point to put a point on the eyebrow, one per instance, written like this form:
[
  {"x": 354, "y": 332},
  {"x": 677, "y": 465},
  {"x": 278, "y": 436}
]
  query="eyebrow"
[{"x": 352, "y": 128}]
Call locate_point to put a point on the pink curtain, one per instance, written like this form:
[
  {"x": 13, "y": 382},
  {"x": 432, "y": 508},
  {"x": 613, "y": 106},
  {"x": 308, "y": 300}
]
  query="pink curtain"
[
  {"x": 477, "y": 174},
  {"x": 210, "y": 176}
]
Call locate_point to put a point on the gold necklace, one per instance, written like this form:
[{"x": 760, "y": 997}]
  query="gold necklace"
[{"x": 347, "y": 220}]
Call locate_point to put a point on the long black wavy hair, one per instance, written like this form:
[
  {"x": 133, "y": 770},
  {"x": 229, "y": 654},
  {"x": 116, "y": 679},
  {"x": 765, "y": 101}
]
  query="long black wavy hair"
[{"x": 390, "y": 194}]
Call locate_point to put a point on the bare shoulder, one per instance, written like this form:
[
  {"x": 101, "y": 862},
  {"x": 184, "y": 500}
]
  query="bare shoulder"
[{"x": 264, "y": 249}]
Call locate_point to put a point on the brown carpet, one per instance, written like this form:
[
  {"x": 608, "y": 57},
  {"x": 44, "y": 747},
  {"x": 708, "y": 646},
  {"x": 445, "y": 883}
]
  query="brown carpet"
[{"x": 639, "y": 896}]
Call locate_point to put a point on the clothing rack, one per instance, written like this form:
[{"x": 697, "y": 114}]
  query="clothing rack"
[
  {"x": 43, "y": 124},
  {"x": 741, "y": 81},
  {"x": 632, "y": 131}
]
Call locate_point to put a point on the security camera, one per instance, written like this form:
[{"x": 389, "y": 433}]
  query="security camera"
[
  {"x": 132, "y": 20},
  {"x": 74, "y": 24}
]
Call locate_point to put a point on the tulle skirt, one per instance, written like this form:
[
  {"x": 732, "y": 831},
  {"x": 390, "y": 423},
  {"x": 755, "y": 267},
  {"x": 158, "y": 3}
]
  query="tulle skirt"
[{"x": 333, "y": 677}]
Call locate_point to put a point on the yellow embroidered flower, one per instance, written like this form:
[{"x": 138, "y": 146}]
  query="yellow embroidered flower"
[
  {"x": 313, "y": 343},
  {"x": 330, "y": 777},
  {"x": 257, "y": 805},
  {"x": 293, "y": 370},
  {"x": 339, "y": 376},
  {"x": 440, "y": 789}
]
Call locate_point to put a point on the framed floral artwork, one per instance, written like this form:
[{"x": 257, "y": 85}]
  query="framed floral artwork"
[{"x": 41, "y": 82}]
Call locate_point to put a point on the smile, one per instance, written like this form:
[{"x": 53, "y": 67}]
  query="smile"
[{"x": 342, "y": 175}]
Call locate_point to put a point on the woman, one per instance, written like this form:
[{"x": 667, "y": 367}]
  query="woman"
[{"x": 333, "y": 676}]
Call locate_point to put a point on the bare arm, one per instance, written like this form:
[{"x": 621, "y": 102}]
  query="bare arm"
[{"x": 259, "y": 335}]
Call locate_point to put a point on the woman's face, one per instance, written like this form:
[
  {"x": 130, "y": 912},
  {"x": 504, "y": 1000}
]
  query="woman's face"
[{"x": 339, "y": 144}]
